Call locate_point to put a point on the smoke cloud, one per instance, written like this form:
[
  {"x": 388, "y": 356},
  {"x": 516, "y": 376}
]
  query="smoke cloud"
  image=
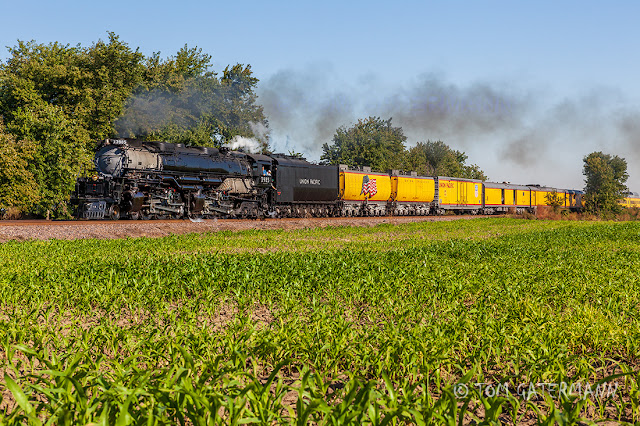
[
  {"x": 516, "y": 134},
  {"x": 146, "y": 113},
  {"x": 248, "y": 145},
  {"x": 302, "y": 109}
]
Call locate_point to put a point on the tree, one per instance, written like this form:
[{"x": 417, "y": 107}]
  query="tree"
[
  {"x": 605, "y": 182},
  {"x": 438, "y": 159},
  {"x": 88, "y": 85},
  {"x": 58, "y": 157},
  {"x": 112, "y": 71},
  {"x": 183, "y": 101},
  {"x": 554, "y": 200},
  {"x": 18, "y": 187},
  {"x": 371, "y": 142}
]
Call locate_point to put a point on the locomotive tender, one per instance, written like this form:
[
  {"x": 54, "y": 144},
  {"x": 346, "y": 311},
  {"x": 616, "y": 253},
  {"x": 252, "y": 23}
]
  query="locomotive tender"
[{"x": 141, "y": 180}]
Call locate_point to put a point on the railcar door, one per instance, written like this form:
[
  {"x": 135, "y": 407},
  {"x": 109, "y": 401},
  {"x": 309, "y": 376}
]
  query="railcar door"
[{"x": 462, "y": 194}]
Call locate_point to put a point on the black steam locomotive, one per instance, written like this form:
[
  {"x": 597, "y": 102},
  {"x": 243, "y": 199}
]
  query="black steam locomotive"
[{"x": 157, "y": 180}]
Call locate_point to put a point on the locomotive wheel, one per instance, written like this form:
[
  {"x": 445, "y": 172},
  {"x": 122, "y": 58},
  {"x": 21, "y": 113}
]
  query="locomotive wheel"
[
  {"x": 114, "y": 212},
  {"x": 134, "y": 215}
]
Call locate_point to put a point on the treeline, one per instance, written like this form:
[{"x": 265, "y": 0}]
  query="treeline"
[
  {"x": 377, "y": 143},
  {"x": 57, "y": 101}
]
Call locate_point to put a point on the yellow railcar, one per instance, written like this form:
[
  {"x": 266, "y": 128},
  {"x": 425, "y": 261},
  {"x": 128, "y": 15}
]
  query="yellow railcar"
[
  {"x": 500, "y": 197},
  {"x": 411, "y": 194},
  {"x": 364, "y": 192},
  {"x": 540, "y": 196},
  {"x": 459, "y": 194}
]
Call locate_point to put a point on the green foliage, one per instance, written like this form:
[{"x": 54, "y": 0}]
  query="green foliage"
[
  {"x": 18, "y": 187},
  {"x": 61, "y": 99},
  {"x": 371, "y": 142},
  {"x": 554, "y": 200},
  {"x": 87, "y": 85},
  {"x": 58, "y": 157},
  {"x": 113, "y": 71},
  {"x": 374, "y": 142},
  {"x": 605, "y": 178},
  {"x": 438, "y": 159},
  {"x": 355, "y": 326}
]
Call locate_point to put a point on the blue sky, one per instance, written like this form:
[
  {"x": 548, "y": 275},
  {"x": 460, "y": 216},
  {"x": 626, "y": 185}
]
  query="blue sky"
[{"x": 564, "y": 74}]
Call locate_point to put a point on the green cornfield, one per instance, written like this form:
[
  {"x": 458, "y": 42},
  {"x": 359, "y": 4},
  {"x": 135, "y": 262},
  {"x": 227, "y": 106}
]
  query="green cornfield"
[{"x": 484, "y": 321}]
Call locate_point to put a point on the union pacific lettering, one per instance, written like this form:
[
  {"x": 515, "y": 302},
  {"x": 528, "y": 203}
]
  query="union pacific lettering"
[
  {"x": 447, "y": 185},
  {"x": 309, "y": 181}
]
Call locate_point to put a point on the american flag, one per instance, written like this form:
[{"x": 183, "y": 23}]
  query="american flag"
[{"x": 369, "y": 186}]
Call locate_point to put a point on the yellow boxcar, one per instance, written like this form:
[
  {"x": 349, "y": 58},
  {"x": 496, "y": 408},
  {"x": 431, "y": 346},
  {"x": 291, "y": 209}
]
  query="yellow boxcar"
[
  {"x": 493, "y": 197},
  {"x": 501, "y": 196},
  {"x": 412, "y": 189},
  {"x": 458, "y": 193},
  {"x": 565, "y": 195},
  {"x": 361, "y": 186},
  {"x": 523, "y": 197}
]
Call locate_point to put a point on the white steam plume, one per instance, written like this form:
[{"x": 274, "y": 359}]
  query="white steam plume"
[{"x": 249, "y": 145}]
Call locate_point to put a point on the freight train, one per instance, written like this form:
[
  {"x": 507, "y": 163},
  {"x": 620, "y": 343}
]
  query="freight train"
[{"x": 157, "y": 180}]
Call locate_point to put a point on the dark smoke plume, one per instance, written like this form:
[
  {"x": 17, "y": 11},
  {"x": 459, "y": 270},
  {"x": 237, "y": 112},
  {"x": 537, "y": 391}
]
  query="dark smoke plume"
[
  {"x": 520, "y": 134},
  {"x": 304, "y": 107}
]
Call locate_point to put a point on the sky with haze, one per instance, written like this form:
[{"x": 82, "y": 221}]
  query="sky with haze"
[{"x": 526, "y": 89}]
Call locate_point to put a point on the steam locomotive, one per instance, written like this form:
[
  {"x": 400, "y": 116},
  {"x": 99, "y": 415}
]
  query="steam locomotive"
[{"x": 158, "y": 180}]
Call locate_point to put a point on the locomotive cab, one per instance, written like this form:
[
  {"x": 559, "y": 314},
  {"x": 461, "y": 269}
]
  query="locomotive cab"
[{"x": 261, "y": 170}]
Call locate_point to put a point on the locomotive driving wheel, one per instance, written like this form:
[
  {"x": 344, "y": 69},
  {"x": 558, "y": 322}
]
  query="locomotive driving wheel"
[{"x": 114, "y": 212}]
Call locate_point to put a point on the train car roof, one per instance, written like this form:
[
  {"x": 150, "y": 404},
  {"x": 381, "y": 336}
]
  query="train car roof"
[
  {"x": 258, "y": 158},
  {"x": 412, "y": 176},
  {"x": 294, "y": 162},
  {"x": 543, "y": 188},
  {"x": 460, "y": 179},
  {"x": 503, "y": 185}
]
